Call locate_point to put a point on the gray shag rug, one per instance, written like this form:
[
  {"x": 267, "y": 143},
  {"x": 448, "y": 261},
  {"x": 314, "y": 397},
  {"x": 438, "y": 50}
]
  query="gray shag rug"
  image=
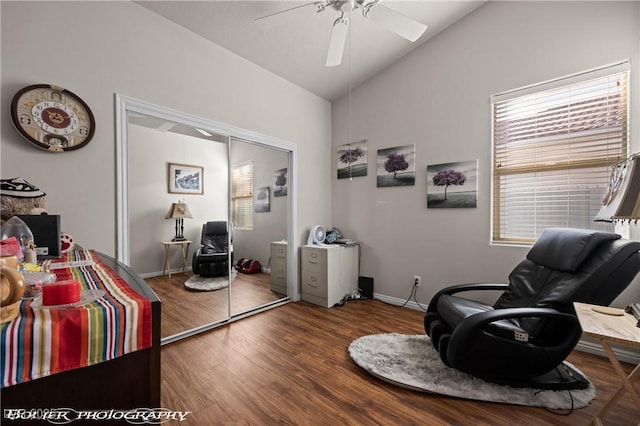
[
  {"x": 412, "y": 362},
  {"x": 196, "y": 282}
]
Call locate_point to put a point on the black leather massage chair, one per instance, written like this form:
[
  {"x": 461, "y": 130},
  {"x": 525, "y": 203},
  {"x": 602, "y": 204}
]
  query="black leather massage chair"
[{"x": 523, "y": 339}]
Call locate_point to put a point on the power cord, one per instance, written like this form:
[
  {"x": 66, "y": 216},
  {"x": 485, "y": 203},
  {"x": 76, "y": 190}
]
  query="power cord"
[
  {"x": 413, "y": 294},
  {"x": 349, "y": 298}
]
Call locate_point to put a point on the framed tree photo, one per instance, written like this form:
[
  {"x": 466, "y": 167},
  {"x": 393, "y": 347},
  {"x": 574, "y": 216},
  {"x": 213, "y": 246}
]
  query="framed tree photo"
[
  {"x": 261, "y": 200},
  {"x": 185, "y": 179}
]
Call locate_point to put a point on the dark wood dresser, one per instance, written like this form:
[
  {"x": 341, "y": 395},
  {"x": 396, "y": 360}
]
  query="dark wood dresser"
[{"x": 129, "y": 381}]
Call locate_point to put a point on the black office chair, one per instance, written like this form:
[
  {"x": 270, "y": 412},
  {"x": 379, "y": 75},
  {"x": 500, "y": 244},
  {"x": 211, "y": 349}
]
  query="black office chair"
[
  {"x": 523, "y": 339},
  {"x": 212, "y": 258}
]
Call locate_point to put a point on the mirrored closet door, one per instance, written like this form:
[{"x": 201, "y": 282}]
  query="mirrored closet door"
[
  {"x": 260, "y": 218},
  {"x": 168, "y": 162}
]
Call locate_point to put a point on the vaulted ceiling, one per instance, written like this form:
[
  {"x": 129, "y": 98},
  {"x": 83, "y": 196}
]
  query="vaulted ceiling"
[{"x": 297, "y": 50}]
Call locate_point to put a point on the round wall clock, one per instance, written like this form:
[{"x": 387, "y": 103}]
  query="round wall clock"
[{"x": 52, "y": 118}]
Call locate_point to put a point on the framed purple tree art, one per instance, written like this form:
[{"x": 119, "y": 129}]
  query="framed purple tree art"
[
  {"x": 396, "y": 166},
  {"x": 352, "y": 160},
  {"x": 452, "y": 185},
  {"x": 280, "y": 183}
]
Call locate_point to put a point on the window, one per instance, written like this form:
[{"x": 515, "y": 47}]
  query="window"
[
  {"x": 242, "y": 195},
  {"x": 553, "y": 147}
]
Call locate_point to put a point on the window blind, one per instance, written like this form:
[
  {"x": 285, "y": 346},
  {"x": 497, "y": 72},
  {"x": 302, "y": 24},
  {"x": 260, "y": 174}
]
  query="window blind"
[
  {"x": 242, "y": 195},
  {"x": 553, "y": 148}
]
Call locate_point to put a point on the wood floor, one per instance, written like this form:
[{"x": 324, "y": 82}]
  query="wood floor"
[
  {"x": 184, "y": 309},
  {"x": 290, "y": 366}
]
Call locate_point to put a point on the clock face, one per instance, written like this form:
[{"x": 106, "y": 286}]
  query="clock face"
[{"x": 52, "y": 118}]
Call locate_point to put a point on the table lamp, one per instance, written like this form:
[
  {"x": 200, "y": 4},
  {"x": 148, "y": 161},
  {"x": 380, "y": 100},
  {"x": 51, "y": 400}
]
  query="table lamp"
[{"x": 179, "y": 211}]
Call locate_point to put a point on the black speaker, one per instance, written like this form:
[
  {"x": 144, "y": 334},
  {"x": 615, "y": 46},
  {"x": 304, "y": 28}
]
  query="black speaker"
[
  {"x": 46, "y": 234},
  {"x": 365, "y": 287}
]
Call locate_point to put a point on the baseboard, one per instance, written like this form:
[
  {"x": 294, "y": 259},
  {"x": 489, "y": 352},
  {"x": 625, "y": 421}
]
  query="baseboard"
[
  {"x": 400, "y": 302},
  {"x": 159, "y": 273},
  {"x": 623, "y": 354}
]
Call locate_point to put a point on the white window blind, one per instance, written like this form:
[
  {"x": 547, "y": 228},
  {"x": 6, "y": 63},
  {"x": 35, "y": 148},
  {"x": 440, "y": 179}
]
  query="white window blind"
[
  {"x": 242, "y": 195},
  {"x": 553, "y": 148}
]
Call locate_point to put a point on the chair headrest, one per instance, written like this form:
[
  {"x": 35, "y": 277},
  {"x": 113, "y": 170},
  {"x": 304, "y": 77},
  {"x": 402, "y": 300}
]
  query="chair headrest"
[
  {"x": 215, "y": 228},
  {"x": 564, "y": 249}
]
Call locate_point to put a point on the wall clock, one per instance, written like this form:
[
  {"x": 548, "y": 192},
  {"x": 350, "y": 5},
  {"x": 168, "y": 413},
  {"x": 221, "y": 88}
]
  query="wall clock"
[{"x": 52, "y": 118}]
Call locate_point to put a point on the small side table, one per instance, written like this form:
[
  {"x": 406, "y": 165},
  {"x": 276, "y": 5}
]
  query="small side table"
[
  {"x": 619, "y": 329},
  {"x": 167, "y": 246}
]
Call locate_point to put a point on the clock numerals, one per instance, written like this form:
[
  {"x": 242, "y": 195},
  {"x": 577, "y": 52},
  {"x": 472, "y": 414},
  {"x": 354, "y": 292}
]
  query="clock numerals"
[{"x": 52, "y": 118}]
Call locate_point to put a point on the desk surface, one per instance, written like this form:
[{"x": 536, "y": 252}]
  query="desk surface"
[
  {"x": 168, "y": 243},
  {"x": 615, "y": 328}
]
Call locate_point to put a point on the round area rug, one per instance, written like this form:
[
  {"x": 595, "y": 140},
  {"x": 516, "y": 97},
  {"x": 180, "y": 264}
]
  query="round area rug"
[
  {"x": 412, "y": 362},
  {"x": 196, "y": 282}
]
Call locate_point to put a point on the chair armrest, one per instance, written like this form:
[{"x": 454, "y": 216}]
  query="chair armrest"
[
  {"x": 461, "y": 288},
  {"x": 472, "y": 324}
]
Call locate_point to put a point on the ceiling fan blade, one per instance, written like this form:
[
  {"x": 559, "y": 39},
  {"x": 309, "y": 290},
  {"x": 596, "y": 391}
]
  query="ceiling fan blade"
[
  {"x": 395, "y": 21},
  {"x": 289, "y": 15},
  {"x": 337, "y": 42}
]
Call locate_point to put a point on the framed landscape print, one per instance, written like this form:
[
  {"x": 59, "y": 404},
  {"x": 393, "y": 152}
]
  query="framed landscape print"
[
  {"x": 261, "y": 202},
  {"x": 185, "y": 179},
  {"x": 280, "y": 183},
  {"x": 396, "y": 166},
  {"x": 352, "y": 160},
  {"x": 452, "y": 185}
]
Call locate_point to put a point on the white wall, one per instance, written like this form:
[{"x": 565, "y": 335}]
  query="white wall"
[
  {"x": 119, "y": 47},
  {"x": 438, "y": 99}
]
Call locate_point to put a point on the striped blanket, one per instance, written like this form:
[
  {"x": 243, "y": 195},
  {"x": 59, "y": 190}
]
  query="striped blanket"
[{"x": 41, "y": 342}]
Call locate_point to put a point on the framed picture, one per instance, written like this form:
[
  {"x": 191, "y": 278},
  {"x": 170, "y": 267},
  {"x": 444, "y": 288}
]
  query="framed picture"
[
  {"x": 452, "y": 185},
  {"x": 280, "y": 183},
  {"x": 352, "y": 160},
  {"x": 185, "y": 179},
  {"x": 261, "y": 200},
  {"x": 396, "y": 166}
]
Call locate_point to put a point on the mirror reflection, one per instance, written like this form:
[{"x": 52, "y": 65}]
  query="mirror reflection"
[
  {"x": 259, "y": 213},
  {"x": 198, "y": 203}
]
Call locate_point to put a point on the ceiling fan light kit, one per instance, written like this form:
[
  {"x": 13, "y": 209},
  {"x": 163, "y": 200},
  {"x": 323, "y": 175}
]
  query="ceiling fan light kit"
[{"x": 371, "y": 9}]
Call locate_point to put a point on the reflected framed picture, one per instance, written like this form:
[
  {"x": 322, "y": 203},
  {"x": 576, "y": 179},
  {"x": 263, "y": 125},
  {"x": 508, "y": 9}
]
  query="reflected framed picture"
[
  {"x": 280, "y": 183},
  {"x": 185, "y": 179},
  {"x": 261, "y": 202}
]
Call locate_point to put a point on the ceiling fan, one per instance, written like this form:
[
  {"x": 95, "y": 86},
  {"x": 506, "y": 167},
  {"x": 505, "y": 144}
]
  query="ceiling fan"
[{"x": 371, "y": 9}]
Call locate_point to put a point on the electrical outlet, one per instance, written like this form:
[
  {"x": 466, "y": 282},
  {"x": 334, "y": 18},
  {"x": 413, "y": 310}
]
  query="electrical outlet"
[{"x": 417, "y": 280}]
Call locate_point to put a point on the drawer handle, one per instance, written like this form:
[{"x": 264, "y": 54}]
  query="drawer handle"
[
  {"x": 314, "y": 278},
  {"x": 314, "y": 254},
  {"x": 313, "y": 285}
]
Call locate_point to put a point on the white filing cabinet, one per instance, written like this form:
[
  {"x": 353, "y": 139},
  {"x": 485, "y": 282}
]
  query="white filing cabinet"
[
  {"x": 328, "y": 273},
  {"x": 279, "y": 267}
]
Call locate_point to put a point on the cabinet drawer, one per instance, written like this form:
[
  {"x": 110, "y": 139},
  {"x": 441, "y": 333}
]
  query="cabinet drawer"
[
  {"x": 279, "y": 268},
  {"x": 279, "y": 272},
  {"x": 278, "y": 251},
  {"x": 278, "y": 280},
  {"x": 314, "y": 284},
  {"x": 314, "y": 260}
]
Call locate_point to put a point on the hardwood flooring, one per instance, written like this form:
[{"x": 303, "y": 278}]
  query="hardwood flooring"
[
  {"x": 184, "y": 309},
  {"x": 290, "y": 366}
]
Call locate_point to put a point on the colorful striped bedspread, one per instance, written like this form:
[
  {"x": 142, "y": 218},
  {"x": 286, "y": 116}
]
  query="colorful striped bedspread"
[{"x": 42, "y": 341}]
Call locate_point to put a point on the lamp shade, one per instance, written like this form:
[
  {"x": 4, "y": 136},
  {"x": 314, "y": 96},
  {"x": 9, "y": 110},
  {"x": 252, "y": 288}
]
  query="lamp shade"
[
  {"x": 622, "y": 201},
  {"x": 178, "y": 211}
]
